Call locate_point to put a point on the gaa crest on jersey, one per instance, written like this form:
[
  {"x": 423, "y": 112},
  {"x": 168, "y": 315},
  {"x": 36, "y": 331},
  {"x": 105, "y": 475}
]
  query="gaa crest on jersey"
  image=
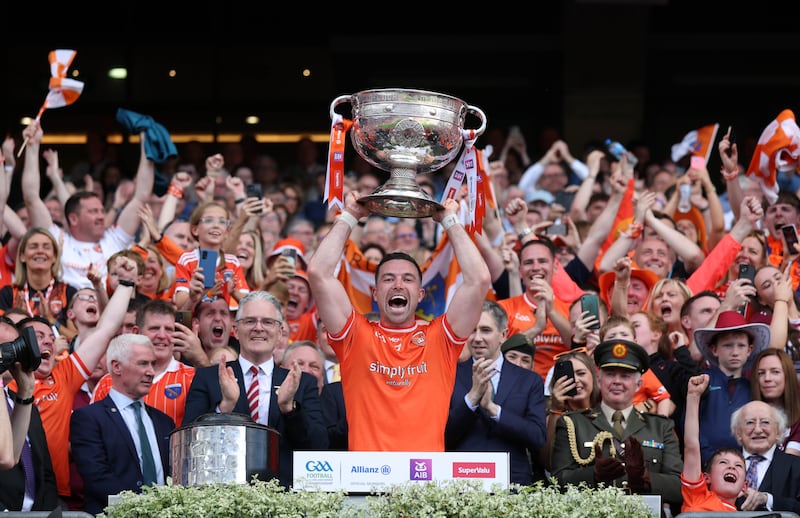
[
  {"x": 55, "y": 306},
  {"x": 173, "y": 391},
  {"x": 418, "y": 339}
]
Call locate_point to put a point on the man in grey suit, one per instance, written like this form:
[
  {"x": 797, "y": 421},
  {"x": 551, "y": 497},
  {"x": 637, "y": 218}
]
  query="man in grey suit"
[{"x": 759, "y": 428}]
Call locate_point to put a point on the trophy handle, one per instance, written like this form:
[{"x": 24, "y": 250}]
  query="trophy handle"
[
  {"x": 475, "y": 111},
  {"x": 346, "y": 98}
]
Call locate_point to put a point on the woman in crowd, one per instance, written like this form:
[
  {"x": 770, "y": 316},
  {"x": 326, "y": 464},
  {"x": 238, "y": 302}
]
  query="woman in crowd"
[
  {"x": 753, "y": 251},
  {"x": 37, "y": 288},
  {"x": 587, "y": 394},
  {"x": 775, "y": 304},
  {"x": 666, "y": 300},
  {"x": 156, "y": 282},
  {"x": 774, "y": 381}
]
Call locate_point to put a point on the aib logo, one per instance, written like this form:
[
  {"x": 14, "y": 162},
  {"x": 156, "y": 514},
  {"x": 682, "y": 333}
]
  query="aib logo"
[
  {"x": 316, "y": 465},
  {"x": 421, "y": 469}
]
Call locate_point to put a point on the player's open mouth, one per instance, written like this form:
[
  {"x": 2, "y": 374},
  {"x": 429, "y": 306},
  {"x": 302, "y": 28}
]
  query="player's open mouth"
[
  {"x": 398, "y": 301},
  {"x": 729, "y": 477}
]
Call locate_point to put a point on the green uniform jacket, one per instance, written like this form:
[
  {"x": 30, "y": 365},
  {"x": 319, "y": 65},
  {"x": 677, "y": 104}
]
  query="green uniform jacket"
[{"x": 660, "y": 446}]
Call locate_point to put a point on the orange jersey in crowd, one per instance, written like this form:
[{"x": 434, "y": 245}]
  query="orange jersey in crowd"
[
  {"x": 304, "y": 328},
  {"x": 397, "y": 383},
  {"x": 651, "y": 388},
  {"x": 167, "y": 393},
  {"x": 187, "y": 264},
  {"x": 548, "y": 343},
  {"x": 53, "y": 398},
  {"x": 697, "y": 497}
]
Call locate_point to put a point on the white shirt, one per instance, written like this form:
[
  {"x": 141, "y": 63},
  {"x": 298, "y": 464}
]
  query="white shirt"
[
  {"x": 264, "y": 385},
  {"x": 125, "y": 406},
  {"x": 77, "y": 257}
]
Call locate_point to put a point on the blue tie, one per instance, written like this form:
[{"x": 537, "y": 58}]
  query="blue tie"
[
  {"x": 26, "y": 458},
  {"x": 148, "y": 464}
]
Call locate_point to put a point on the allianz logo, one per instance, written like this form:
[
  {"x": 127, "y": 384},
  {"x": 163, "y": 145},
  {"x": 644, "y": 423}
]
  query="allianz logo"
[{"x": 383, "y": 470}]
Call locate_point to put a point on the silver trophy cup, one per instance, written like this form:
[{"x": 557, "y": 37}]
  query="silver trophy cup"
[{"x": 406, "y": 132}]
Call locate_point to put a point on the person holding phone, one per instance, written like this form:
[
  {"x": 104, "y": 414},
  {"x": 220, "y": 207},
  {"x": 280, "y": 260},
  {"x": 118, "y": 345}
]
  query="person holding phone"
[
  {"x": 209, "y": 224},
  {"x": 496, "y": 405},
  {"x": 575, "y": 391}
]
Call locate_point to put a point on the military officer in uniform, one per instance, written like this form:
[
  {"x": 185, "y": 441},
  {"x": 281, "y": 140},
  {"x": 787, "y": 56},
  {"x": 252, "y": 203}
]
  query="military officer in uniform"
[{"x": 614, "y": 443}]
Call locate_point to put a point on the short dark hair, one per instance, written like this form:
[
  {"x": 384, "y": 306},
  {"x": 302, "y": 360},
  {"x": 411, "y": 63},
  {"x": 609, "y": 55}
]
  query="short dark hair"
[
  {"x": 540, "y": 240},
  {"x": 25, "y": 322},
  {"x": 785, "y": 198},
  {"x": 687, "y": 305},
  {"x": 721, "y": 451},
  {"x": 394, "y": 256},
  {"x": 155, "y": 307},
  {"x": 73, "y": 204}
]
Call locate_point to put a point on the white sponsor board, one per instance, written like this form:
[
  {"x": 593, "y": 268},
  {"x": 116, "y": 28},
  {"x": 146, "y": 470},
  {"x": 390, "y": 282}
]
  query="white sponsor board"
[{"x": 363, "y": 472}]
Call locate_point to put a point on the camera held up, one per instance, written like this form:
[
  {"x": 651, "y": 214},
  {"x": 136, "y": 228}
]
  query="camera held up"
[{"x": 24, "y": 350}]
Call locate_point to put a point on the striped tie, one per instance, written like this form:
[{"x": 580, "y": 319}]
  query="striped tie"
[{"x": 252, "y": 393}]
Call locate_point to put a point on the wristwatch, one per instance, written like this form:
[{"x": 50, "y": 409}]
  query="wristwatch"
[
  {"x": 125, "y": 282},
  {"x": 18, "y": 400}
]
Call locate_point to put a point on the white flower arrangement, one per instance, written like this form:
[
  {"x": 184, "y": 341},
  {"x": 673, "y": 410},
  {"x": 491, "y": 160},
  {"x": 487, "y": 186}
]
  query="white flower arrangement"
[{"x": 411, "y": 500}]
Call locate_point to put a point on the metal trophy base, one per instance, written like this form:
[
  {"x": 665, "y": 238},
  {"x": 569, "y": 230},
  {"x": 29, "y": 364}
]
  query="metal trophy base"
[{"x": 401, "y": 197}]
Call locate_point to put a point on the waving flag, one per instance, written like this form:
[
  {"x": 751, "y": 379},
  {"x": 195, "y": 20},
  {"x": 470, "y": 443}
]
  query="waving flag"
[
  {"x": 63, "y": 91},
  {"x": 778, "y": 149},
  {"x": 697, "y": 142}
]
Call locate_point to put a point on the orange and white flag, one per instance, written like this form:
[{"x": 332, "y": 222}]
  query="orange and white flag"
[
  {"x": 778, "y": 149},
  {"x": 697, "y": 142},
  {"x": 63, "y": 91}
]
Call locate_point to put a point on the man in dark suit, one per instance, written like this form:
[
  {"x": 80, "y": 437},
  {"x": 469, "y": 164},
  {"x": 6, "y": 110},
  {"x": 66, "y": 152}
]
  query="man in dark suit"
[
  {"x": 109, "y": 450},
  {"x": 335, "y": 415},
  {"x": 26, "y": 425},
  {"x": 759, "y": 428},
  {"x": 639, "y": 452},
  {"x": 284, "y": 399},
  {"x": 508, "y": 418}
]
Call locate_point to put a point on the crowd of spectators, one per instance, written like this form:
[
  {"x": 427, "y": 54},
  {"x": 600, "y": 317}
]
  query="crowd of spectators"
[{"x": 151, "y": 309}]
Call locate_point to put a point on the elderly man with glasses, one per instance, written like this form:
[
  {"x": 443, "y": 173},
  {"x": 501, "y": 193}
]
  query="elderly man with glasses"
[{"x": 285, "y": 399}]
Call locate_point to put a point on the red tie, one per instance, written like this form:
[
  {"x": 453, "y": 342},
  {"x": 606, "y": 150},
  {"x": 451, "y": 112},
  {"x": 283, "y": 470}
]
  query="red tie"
[{"x": 252, "y": 394}]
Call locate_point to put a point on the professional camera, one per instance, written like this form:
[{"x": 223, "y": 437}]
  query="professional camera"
[{"x": 24, "y": 350}]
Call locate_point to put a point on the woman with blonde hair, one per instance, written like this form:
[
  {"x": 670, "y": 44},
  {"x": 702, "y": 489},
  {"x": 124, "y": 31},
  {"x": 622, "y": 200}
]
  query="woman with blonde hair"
[
  {"x": 37, "y": 288},
  {"x": 666, "y": 300}
]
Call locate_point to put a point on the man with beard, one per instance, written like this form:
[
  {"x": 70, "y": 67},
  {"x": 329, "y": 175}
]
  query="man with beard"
[{"x": 397, "y": 367}]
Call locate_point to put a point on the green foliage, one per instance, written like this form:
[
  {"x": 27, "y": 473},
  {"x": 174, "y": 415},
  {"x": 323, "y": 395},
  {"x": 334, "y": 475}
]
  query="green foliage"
[{"x": 457, "y": 499}]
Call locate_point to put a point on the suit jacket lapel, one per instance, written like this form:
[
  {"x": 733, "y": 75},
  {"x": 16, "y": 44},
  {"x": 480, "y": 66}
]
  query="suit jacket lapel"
[
  {"x": 241, "y": 404},
  {"x": 505, "y": 385},
  {"x": 114, "y": 414},
  {"x": 278, "y": 376}
]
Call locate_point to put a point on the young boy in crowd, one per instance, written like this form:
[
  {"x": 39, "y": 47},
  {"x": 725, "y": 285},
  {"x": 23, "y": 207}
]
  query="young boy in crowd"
[{"x": 723, "y": 481}]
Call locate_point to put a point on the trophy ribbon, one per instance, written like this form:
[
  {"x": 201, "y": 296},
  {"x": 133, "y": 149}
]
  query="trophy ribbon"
[
  {"x": 334, "y": 175},
  {"x": 468, "y": 162}
]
